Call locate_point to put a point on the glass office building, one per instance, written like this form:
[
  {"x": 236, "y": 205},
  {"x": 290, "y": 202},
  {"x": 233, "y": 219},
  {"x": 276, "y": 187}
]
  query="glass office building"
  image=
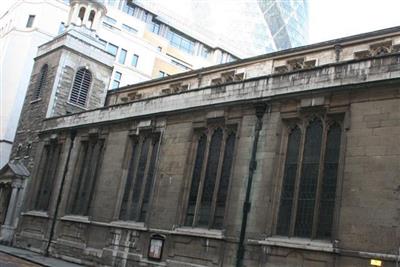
[
  {"x": 287, "y": 22},
  {"x": 249, "y": 28}
]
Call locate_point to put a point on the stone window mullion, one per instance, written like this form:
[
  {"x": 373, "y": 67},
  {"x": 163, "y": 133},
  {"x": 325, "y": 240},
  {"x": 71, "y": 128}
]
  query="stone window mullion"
[
  {"x": 309, "y": 178},
  {"x": 140, "y": 177},
  {"x": 52, "y": 174},
  {"x": 144, "y": 179},
  {"x": 217, "y": 179},
  {"x": 202, "y": 177},
  {"x": 319, "y": 181},
  {"x": 200, "y": 141},
  {"x": 42, "y": 175},
  {"x": 297, "y": 181},
  {"x": 127, "y": 197},
  {"x": 224, "y": 181},
  {"x": 148, "y": 186},
  {"x": 133, "y": 178},
  {"x": 93, "y": 174},
  {"x": 77, "y": 205}
]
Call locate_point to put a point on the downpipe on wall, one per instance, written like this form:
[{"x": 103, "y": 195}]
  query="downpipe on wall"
[
  {"x": 60, "y": 191},
  {"x": 260, "y": 111}
]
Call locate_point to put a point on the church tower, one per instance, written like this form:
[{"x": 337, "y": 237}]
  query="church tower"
[{"x": 71, "y": 74}]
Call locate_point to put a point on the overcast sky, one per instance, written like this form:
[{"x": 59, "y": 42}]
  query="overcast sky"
[{"x": 330, "y": 19}]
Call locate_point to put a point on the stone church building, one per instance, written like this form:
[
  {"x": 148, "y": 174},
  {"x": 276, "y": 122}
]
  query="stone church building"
[{"x": 285, "y": 159}]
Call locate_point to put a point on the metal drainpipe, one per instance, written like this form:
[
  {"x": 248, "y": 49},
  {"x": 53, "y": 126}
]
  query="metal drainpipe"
[
  {"x": 59, "y": 197},
  {"x": 260, "y": 110}
]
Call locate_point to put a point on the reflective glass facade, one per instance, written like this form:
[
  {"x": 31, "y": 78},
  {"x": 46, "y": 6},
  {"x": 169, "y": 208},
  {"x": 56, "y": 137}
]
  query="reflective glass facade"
[{"x": 287, "y": 22}]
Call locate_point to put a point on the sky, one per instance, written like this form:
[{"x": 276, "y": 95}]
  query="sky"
[{"x": 331, "y": 19}]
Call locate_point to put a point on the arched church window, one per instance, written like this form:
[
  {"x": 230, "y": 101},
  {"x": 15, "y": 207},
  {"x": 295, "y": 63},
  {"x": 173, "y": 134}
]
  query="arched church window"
[
  {"x": 81, "y": 14},
  {"x": 80, "y": 87},
  {"x": 91, "y": 17},
  {"x": 41, "y": 81},
  {"x": 210, "y": 177}
]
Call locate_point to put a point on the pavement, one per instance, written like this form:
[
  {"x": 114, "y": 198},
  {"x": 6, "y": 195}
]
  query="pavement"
[{"x": 16, "y": 257}]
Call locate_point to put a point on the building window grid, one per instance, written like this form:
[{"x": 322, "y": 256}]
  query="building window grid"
[
  {"x": 140, "y": 178},
  {"x": 135, "y": 59},
  {"x": 135, "y": 11},
  {"x": 30, "y": 21},
  {"x": 129, "y": 28},
  {"x": 210, "y": 177},
  {"x": 117, "y": 80},
  {"x": 155, "y": 27},
  {"x": 180, "y": 41},
  {"x": 310, "y": 173},
  {"x": 122, "y": 56},
  {"x": 112, "y": 49}
]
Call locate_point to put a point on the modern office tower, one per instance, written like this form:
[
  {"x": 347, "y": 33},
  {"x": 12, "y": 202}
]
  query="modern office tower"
[
  {"x": 287, "y": 22},
  {"x": 250, "y": 27}
]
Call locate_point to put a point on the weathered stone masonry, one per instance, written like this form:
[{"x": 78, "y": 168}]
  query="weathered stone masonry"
[{"x": 357, "y": 88}]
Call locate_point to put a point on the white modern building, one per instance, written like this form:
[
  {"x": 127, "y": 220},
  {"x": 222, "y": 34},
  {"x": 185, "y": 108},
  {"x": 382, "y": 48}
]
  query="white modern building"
[{"x": 145, "y": 44}]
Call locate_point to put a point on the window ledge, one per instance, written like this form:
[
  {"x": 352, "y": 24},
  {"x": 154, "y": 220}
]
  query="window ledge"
[
  {"x": 215, "y": 234},
  {"x": 77, "y": 105},
  {"x": 36, "y": 213},
  {"x": 35, "y": 100},
  {"x": 75, "y": 218},
  {"x": 129, "y": 225},
  {"x": 293, "y": 242}
]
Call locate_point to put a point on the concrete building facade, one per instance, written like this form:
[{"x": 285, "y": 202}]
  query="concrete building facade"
[{"x": 285, "y": 159}]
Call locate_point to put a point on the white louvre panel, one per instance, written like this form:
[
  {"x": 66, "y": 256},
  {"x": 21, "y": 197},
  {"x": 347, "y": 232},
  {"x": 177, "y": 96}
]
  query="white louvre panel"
[
  {"x": 41, "y": 82},
  {"x": 81, "y": 86}
]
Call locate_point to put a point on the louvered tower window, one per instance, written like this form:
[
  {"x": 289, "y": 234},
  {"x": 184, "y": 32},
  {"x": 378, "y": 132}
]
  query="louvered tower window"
[
  {"x": 40, "y": 82},
  {"x": 80, "y": 88}
]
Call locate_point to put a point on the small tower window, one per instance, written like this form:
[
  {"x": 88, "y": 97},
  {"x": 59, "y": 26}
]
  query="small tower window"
[
  {"x": 91, "y": 17},
  {"x": 81, "y": 14},
  {"x": 80, "y": 88},
  {"x": 40, "y": 82},
  {"x": 30, "y": 21}
]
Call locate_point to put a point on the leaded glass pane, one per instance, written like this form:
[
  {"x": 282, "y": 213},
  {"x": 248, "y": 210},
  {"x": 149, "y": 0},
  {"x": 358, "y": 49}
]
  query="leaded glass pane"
[
  {"x": 138, "y": 185},
  {"x": 286, "y": 203},
  {"x": 308, "y": 180},
  {"x": 327, "y": 198},
  {"x": 201, "y": 147},
  {"x": 210, "y": 178},
  {"x": 124, "y": 212},
  {"x": 149, "y": 181},
  {"x": 224, "y": 182}
]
